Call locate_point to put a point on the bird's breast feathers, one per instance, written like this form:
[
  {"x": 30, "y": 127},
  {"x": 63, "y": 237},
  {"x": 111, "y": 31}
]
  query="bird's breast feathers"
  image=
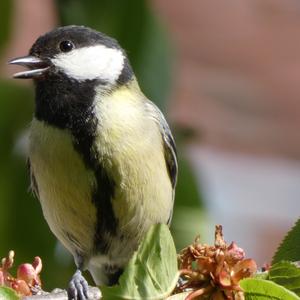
[
  {"x": 129, "y": 146},
  {"x": 64, "y": 186}
]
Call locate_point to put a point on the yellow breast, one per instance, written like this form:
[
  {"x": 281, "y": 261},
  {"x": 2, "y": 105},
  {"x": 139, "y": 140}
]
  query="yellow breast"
[
  {"x": 65, "y": 186},
  {"x": 131, "y": 146}
]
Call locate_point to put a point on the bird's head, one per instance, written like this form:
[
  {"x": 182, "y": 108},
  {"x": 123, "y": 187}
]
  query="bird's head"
[{"x": 77, "y": 53}]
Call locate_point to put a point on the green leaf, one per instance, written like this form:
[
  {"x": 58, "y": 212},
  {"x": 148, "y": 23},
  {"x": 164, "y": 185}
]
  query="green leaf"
[
  {"x": 152, "y": 272},
  {"x": 286, "y": 274},
  {"x": 257, "y": 289},
  {"x": 262, "y": 275},
  {"x": 7, "y": 293},
  {"x": 290, "y": 246}
]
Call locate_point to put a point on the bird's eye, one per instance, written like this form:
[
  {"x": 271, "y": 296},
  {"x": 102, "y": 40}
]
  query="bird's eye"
[{"x": 66, "y": 46}]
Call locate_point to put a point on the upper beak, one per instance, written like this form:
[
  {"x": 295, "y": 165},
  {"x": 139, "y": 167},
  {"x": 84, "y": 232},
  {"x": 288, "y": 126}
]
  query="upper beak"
[{"x": 37, "y": 66}]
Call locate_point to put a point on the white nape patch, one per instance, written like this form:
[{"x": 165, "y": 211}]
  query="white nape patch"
[{"x": 94, "y": 62}]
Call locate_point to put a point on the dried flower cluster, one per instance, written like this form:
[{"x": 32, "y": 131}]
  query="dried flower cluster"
[
  {"x": 27, "y": 280},
  {"x": 214, "y": 272}
]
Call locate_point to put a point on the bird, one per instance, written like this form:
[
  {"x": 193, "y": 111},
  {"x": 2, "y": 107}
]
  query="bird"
[{"x": 102, "y": 159}]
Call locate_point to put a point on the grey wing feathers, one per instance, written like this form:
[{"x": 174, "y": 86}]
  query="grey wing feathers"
[{"x": 169, "y": 143}]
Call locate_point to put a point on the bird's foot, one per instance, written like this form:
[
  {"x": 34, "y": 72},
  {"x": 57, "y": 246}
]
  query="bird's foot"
[{"x": 78, "y": 287}]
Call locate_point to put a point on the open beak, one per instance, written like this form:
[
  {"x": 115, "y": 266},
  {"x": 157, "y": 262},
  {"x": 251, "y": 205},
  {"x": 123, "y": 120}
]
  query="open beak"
[{"x": 37, "y": 66}]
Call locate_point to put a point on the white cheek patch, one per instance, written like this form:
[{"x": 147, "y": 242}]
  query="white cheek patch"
[{"x": 88, "y": 63}]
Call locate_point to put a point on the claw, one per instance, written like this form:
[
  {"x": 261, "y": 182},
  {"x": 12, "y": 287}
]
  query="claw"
[{"x": 78, "y": 287}]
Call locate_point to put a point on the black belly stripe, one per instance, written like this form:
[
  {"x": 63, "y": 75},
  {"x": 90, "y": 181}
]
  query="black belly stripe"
[
  {"x": 67, "y": 104},
  {"x": 107, "y": 222},
  {"x": 103, "y": 191}
]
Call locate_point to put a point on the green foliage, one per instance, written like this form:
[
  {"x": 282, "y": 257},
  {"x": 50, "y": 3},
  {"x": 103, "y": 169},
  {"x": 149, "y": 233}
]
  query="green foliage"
[
  {"x": 152, "y": 272},
  {"x": 187, "y": 190},
  {"x": 8, "y": 294},
  {"x": 282, "y": 281},
  {"x": 289, "y": 249},
  {"x": 5, "y": 13},
  {"x": 12, "y": 167},
  {"x": 188, "y": 216},
  {"x": 286, "y": 274},
  {"x": 257, "y": 289}
]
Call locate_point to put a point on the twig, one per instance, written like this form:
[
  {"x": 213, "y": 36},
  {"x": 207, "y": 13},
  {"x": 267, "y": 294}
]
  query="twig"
[{"x": 93, "y": 293}]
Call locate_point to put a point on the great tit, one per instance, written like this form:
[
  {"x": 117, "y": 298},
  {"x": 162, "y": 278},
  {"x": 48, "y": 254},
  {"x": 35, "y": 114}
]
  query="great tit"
[{"x": 102, "y": 158}]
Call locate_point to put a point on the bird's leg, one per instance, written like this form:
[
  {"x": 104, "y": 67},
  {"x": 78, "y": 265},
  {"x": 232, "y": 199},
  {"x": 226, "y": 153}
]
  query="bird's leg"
[{"x": 78, "y": 287}]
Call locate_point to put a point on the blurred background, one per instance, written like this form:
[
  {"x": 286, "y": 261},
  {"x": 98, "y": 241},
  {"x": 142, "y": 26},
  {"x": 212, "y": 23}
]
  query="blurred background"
[{"x": 227, "y": 76}]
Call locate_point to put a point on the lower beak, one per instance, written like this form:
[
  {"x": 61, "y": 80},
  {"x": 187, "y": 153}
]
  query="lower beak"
[{"x": 37, "y": 66}]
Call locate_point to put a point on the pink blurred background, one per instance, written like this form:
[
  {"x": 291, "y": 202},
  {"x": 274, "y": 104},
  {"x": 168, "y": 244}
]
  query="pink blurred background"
[{"x": 238, "y": 90}]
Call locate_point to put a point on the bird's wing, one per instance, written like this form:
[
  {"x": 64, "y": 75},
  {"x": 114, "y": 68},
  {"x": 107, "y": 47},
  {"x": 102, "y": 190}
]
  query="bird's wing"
[{"x": 168, "y": 140}]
